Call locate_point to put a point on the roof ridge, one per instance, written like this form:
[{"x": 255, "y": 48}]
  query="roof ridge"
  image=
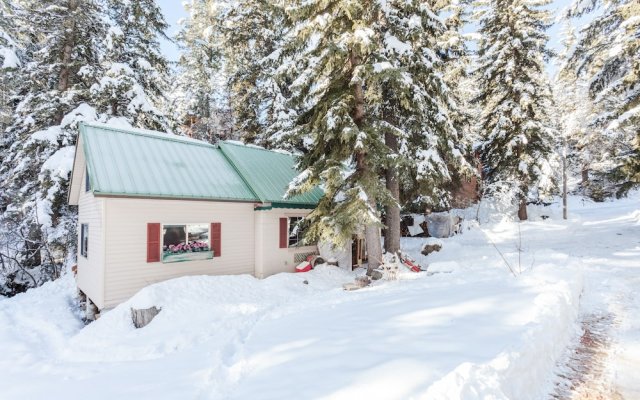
[
  {"x": 243, "y": 175},
  {"x": 255, "y": 147},
  {"x": 151, "y": 134}
]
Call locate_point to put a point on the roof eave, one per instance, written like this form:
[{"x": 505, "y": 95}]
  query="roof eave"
[{"x": 170, "y": 197}]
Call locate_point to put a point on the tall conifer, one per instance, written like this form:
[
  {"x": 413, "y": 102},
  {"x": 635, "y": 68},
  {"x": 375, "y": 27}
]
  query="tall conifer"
[{"x": 516, "y": 123}]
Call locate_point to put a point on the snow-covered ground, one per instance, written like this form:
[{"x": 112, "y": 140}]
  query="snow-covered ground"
[{"x": 471, "y": 330}]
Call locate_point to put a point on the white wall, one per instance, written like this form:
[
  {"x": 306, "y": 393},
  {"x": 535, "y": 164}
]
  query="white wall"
[
  {"x": 127, "y": 270},
  {"x": 270, "y": 258},
  {"x": 90, "y": 276}
]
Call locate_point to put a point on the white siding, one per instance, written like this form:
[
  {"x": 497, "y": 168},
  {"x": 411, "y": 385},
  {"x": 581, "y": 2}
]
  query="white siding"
[
  {"x": 270, "y": 258},
  {"x": 90, "y": 277},
  {"x": 127, "y": 270}
]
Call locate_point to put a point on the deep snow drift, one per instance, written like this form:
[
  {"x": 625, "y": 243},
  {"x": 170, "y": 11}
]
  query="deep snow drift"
[{"x": 468, "y": 329}]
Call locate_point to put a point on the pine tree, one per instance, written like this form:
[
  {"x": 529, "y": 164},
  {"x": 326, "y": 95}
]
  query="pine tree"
[
  {"x": 581, "y": 143},
  {"x": 8, "y": 35},
  {"x": 516, "y": 120},
  {"x": 607, "y": 55},
  {"x": 39, "y": 226},
  {"x": 200, "y": 101},
  {"x": 362, "y": 73},
  {"x": 252, "y": 32},
  {"x": 133, "y": 75},
  {"x": 10, "y": 49}
]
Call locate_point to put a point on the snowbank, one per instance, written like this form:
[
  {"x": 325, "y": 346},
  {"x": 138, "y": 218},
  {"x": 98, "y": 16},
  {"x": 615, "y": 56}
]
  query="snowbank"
[
  {"x": 533, "y": 355},
  {"x": 190, "y": 307},
  {"x": 466, "y": 329}
]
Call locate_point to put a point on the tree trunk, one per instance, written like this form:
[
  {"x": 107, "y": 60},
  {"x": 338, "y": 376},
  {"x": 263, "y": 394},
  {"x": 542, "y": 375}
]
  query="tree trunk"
[
  {"x": 371, "y": 231},
  {"x": 564, "y": 186},
  {"x": 522, "y": 209},
  {"x": 585, "y": 175},
  {"x": 64, "y": 78},
  {"x": 374, "y": 246},
  {"x": 392, "y": 237}
]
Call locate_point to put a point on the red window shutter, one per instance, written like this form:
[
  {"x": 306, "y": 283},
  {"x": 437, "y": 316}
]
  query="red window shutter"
[
  {"x": 153, "y": 242},
  {"x": 216, "y": 238},
  {"x": 284, "y": 233}
]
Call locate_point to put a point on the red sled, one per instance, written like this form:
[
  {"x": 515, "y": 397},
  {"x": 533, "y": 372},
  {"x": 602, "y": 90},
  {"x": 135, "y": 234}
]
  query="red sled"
[
  {"x": 304, "y": 266},
  {"x": 409, "y": 263}
]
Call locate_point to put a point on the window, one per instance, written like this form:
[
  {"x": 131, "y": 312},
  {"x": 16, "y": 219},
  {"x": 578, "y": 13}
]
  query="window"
[
  {"x": 87, "y": 184},
  {"x": 297, "y": 227},
  {"x": 186, "y": 242},
  {"x": 84, "y": 239}
]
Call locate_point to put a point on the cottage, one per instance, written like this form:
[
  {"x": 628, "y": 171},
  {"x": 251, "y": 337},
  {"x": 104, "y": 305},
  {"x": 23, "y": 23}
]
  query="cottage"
[{"x": 154, "y": 206}]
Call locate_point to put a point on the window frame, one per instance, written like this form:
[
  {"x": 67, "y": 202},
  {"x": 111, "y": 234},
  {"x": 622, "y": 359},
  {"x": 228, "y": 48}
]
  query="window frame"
[
  {"x": 84, "y": 240},
  {"x": 299, "y": 235},
  {"x": 186, "y": 231}
]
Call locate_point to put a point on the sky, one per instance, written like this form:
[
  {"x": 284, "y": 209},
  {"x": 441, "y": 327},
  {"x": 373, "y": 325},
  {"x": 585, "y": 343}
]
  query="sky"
[{"x": 173, "y": 11}]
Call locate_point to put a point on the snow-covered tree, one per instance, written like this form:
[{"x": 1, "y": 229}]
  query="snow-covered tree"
[
  {"x": 199, "y": 97},
  {"x": 369, "y": 97},
  {"x": 419, "y": 115},
  {"x": 607, "y": 56},
  {"x": 133, "y": 73},
  {"x": 10, "y": 49},
  {"x": 580, "y": 141},
  {"x": 8, "y": 32},
  {"x": 516, "y": 122},
  {"x": 252, "y": 32},
  {"x": 38, "y": 226}
]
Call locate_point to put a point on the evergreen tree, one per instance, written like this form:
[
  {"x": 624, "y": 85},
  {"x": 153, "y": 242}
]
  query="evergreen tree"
[
  {"x": 10, "y": 49},
  {"x": 516, "y": 119},
  {"x": 581, "y": 143},
  {"x": 252, "y": 32},
  {"x": 134, "y": 73},
  {"x": 39, "y": 227},
  {"x": 607, "y": 55},
  {"x": 361, "y": 73},
  {"x": 8, "y": 35},
  {"x": 200, "y": 101},
  {"x": 420, "y": 115}
]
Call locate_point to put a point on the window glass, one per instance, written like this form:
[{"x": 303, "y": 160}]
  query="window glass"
[
  {"x": 84, "y": 240},
  {"x": 87, "y": 184},
  {"x": 186, "y": 242},
  {"x": 296, "y": 231}
]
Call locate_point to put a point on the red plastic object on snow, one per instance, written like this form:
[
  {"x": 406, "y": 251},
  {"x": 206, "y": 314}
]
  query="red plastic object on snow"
[
  {"x": 304, "y": 266},
  {"x": 409, "y": 263}
]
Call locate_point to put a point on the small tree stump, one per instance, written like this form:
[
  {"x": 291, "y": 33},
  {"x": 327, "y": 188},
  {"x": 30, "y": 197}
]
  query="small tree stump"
[
  {"x": 363, "y": 281},
  {"x": 142, "y": 317},
  {"x": 430, "y": 248},
  {"x": 360, "y": 282}
]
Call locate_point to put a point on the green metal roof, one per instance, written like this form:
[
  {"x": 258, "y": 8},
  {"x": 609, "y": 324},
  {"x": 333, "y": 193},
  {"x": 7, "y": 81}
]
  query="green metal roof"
[
  {"x": 142, "y": 163},
  {"x": 269, "y": 173},
  {"x": 134, "y": 162}
]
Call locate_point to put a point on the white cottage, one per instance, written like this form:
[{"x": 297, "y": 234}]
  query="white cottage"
[{"x": 155, "y": 206}]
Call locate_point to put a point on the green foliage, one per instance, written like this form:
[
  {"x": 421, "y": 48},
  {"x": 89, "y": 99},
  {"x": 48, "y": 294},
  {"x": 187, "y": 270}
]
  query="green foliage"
[
  {"x": 134, "y": 73},
  {"x": 516, "y": 123},
  {"x": 357, "y": 71},
  {"x": 607, "y": 56}
]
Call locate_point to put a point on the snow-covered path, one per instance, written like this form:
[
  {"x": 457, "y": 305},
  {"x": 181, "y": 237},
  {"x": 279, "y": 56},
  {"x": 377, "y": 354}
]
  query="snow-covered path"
[
  {"x": 606, "y": 240},
  {"x": 471, "y": 331}
]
